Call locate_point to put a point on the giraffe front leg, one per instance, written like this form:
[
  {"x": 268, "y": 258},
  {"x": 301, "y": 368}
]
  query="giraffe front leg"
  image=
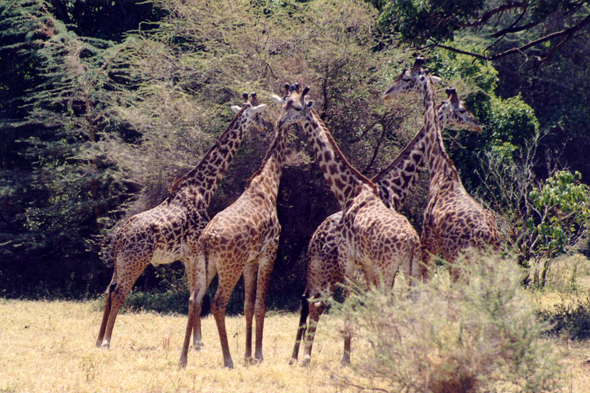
[
  {"x": 348, "y": 265},
  {"x": 194, "y": 308},
  {"x": 429, "y": 252},
  {"x": 198, "y": 290},
  {"x": 264, "y": 271},
  {"x": 190, "y": 270},
  {"x": 250, "y": 271}
]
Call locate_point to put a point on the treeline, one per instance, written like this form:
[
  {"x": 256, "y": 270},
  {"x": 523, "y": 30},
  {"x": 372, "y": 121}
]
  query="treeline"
[{"x": 104, "y": 104}]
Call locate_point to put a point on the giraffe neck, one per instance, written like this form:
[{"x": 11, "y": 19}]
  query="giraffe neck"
[
  {"x": 268, "y": 176},
  {"x": 440, "y": 166},
  {"x": 204, "y": 179},
  {"x": 344, "y": 180},
  {"x": 395, "y": 182}
]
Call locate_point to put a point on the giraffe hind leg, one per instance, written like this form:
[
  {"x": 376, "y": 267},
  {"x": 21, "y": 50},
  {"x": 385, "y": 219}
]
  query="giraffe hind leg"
[
  {"x": 301, "y": 330},
  {"x": 107, "y": 311},
  {"x": 315, "y": 312},
  {"x": 117, "y": 298}
]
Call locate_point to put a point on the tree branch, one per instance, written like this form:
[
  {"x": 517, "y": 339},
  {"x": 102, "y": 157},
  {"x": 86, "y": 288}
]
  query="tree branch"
[
  {"x": 513, "y": 29},
  {"x": 567, "y": 34},
  {"x": 487, "y": 15}
]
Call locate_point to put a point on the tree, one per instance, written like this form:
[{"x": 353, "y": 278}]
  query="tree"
[{"x": 535, "y": 29}]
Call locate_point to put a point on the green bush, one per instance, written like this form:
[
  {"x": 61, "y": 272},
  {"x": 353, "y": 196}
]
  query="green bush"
[{"x": 480, "y": 334}]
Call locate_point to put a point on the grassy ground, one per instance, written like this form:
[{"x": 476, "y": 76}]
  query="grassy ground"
[
  {"x": 49, "y": 347},
  {"x": 568, "y": 284}
]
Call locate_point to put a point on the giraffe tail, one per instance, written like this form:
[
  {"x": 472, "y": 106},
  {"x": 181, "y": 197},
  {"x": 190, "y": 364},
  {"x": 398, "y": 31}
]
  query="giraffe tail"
[
  {"x": 206, "y": 305},
  {"x": 206, "y": 302}
]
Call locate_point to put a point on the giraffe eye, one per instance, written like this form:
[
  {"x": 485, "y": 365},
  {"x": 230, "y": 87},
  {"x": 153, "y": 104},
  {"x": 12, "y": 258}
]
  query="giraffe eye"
[
  {"x": 297, "y": 108},
  {"x": 407, "y": 79},
  {"x": 462, "y": 110}
]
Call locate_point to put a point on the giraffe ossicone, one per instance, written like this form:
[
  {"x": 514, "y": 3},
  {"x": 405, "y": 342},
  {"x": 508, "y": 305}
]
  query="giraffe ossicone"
[
  {"x": 453, "y": 221},
  {"x": 241, "y": 239},
  {"x": 169, "y": 232},
  {"x": 381, "y": 240},
  {"x": 324, "y": 273}
]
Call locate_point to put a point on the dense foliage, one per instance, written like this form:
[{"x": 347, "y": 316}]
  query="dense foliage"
[{"x": 103, "y": 105}]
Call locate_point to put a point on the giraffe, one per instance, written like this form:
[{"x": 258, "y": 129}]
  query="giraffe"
[
  {"x": 378, "y": 239},
  {"x": 242, "y": 239},
  {"x": 394, "y": 183},
  {"x": 169, "y": 232},
  {"x": 453, "y": 221}
]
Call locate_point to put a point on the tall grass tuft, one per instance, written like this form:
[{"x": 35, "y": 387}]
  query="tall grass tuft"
[{"x": 479, "y": 334}]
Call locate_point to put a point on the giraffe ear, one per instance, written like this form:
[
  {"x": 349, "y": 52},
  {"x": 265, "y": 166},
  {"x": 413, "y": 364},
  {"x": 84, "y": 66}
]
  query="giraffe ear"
[
  {"x": 235, "y": 108},
  {"x": 258, "y": 108},
  {"x": 436, "y": 79},
  {"x": 277, "y": 99}
]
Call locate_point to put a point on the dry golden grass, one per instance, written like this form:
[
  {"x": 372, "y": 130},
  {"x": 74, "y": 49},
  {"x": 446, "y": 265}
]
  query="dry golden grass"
[
  {"x": 566, "y": 274},
  {"x": 49, "y": 347}
]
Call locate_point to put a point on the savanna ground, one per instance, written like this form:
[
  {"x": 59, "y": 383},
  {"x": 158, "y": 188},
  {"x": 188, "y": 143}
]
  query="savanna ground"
[{"x": 49, "y": 346}]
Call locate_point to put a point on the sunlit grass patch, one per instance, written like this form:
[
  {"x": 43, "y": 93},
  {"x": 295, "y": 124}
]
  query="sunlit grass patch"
[{"x": 50, "y": 346}]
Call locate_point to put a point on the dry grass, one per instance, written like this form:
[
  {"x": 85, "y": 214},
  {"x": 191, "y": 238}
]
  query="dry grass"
[
  {"x": 49, "y": 347},
  {"x": 568, "y": 282}
]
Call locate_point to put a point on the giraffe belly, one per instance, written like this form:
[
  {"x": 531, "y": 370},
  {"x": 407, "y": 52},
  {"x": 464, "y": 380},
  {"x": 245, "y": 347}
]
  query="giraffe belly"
[{"x": 164, "y": 256}]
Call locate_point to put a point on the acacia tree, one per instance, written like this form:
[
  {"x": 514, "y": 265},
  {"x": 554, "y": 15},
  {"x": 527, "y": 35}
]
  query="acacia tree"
[
  {"x": 57, "y": 123},
  {"x": 535, "y": 29}
]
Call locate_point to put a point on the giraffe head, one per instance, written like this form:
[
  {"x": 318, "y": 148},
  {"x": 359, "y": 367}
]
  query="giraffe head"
[
  {"x": 453, "y": 112},
  {"x": 252, "y": 110},
  {"x": 410, "y": 81},
  {"x": 294, "y": 105}
]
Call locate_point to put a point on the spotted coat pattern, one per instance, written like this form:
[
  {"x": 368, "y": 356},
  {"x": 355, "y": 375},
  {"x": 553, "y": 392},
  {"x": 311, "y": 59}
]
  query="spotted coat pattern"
[
  {"x": 378, "y": 239},
  {"x": 242, "y": 239},
  {"x": 324, "y": 273},
  {"x": 453, "y": 221},
  {"x": 169, "y": 232}
]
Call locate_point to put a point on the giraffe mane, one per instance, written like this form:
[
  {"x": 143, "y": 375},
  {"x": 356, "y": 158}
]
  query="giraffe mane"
[
  {"x": 266, "y": 158},
  {"x": 176, "y": 185},
  {"x": 444, "y": 153},
  {"x": 337, "y": 151}
]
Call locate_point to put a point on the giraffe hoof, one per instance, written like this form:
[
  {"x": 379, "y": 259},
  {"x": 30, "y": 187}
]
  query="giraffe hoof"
[
  {"x": 228, "y": 363},
  {"x": 198, "y": 346},
  {"x": 182, "y": 363},
  {"x": 250, "y": 361},
  {"x": 345, "y": 361},
  {"x": 292, "y": 361},
  {"x": 105, "y": 345},
  {"x": 305, "y": 362}
]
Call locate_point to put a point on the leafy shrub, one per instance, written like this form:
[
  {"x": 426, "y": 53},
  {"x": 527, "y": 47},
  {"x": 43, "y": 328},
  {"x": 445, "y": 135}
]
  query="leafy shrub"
[
  {"x": 480, "y": 334},
  {"x": 572, "y": 320},
  {"x": 538, "y": 220}
]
